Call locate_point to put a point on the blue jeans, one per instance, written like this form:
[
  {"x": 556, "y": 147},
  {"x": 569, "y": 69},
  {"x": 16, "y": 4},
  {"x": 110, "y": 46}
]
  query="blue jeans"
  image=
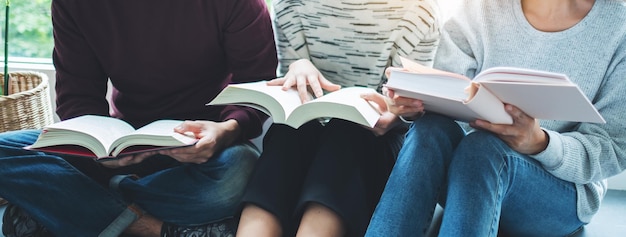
[
  {"x": 485, "y": 187},
  {"x": 71, "y": 202}
]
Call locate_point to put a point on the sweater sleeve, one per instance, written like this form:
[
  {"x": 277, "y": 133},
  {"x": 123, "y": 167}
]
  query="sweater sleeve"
[
  {"x": 251, "y": 53},
  {"x": 290, "y": 49},
  {"x": 80, "y": 81},
  {"x": 593, "y": 152},
  {"x": 420, "y": 34},
  {"x": 455, "y": 53}
]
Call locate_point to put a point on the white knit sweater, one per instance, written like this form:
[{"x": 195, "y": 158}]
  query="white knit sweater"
[{"x": 489, "y": 33}]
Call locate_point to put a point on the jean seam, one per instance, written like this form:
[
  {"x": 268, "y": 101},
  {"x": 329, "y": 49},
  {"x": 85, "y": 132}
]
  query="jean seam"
[{"x": 499, "y": 194}]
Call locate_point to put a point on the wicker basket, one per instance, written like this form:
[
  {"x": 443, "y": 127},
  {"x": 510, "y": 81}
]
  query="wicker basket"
[{"x": 28, "y": 105}]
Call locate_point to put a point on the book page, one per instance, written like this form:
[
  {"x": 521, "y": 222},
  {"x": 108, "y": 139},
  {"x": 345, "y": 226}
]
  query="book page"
[
  {"x": 158, "y": 133},
  {"x": 521, "y": 75},
  {"x": 415, "y": 67},
  {"x": 274, "y": 101},
  {"x": 454, "y": 108},
  {"x": 429, "y": 84},
  {"x": 488, "y": 107},
  {"x": 96, "y": 133},
  {"x": 345, "y": 103}
]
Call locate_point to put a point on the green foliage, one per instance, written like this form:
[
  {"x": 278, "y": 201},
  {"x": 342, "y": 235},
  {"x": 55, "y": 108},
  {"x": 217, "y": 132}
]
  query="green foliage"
[{"x": 30, "y": 29}]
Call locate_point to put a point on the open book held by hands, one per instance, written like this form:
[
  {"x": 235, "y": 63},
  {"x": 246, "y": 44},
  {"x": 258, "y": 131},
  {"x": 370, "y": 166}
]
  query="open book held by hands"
[
  {"x": 541, "y": 95},
  {"x": 285, "y": 107},
  {"x": 101, "y": 137}
]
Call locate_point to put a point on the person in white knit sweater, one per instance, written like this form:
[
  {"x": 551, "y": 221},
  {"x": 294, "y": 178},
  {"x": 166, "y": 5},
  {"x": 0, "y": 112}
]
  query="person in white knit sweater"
[{"x": 531, "y": 178}]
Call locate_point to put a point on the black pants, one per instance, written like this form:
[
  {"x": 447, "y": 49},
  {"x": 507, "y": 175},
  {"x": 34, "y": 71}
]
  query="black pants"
[{"x": 340, "y": 165}]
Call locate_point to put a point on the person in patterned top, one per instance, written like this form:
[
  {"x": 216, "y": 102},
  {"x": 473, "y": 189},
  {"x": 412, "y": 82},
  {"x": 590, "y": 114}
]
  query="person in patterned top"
[{"x": 326, "y": 177}]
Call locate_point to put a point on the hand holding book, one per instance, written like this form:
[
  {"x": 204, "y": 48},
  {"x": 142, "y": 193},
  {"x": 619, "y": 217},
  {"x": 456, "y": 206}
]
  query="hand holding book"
[
  {"x": 106, "y": 137},
  {"x": 540, "y": 94}
]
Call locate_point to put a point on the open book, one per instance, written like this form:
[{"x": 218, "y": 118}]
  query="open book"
[
  {"x": 542, "y": 95},
  {"x": 285, "y": 107},
  {"x": 106, "y": 137}
]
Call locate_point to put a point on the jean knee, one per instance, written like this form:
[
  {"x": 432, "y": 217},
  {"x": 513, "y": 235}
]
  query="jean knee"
[
  {"x": 237, "y": 164},
  {"x": 482, "y": 141},
  {"x": 435, "y": 131},
  {"x": 482, "y": 147},
  {"x": 19, "y": 138},
  {"x": 13, "y": 142},
  {"x": 240, "y": 159}
]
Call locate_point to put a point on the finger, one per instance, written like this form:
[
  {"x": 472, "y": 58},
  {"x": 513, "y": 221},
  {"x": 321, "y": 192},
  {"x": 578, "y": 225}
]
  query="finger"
[
  {"x": 314, "y": 83},
  {"x": 185, "y": 155},
  {"x": 327, "y": 85},
  {"x": 501, "y": 130},
  {"x": 111, "y": 163},
  {"x": 390, "y": 69},
  {"x": 184, "y": 150},
  {"x": 191, "y": 128},
  {"x": 126, "y": 160},
  {"x": 407, "y": 111},
  {"x": 385, "y": 91},
  {"x": 405, "y": 101},
  {"x": 142, "y": 156},
  {"x": 301, "y": 85},
  {"x": 378, "y": 99},
  {"x": 289, "y": 82},
  {"x": 518, "y": 116},
  {"x": 384, "y": 123},
  {"x": 195, "y": 154},
  {"x": 276, "y": 82}
]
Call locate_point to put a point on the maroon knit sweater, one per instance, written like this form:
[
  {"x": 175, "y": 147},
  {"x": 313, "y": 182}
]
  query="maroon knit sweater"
[{"x": 165, "y": 58}]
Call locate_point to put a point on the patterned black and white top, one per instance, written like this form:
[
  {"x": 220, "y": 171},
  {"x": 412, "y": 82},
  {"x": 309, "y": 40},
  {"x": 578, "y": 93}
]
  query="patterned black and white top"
[{"x": 352, "y": 41}]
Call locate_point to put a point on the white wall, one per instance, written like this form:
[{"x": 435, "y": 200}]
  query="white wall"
[{"x": 448, "y": 7}]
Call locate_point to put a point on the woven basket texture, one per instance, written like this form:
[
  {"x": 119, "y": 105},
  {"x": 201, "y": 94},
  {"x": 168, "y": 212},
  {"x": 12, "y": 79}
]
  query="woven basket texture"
[{"x": 28, "y": 105}]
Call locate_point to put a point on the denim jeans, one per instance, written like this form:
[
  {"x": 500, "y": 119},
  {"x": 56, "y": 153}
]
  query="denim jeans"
[
  {"x": 485, "y": 187},
  {"x": 69, "y": 202}
]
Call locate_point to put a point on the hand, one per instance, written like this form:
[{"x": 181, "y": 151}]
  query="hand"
[
  {"x": 387, "y": 120},
  {"x": 524, "y": 135},
  {"x": 403, "y": 106},
  {"x": 128, "y": 160},
  {"x": 303, "y": 73},
  {"x": 213, "y": 136}
]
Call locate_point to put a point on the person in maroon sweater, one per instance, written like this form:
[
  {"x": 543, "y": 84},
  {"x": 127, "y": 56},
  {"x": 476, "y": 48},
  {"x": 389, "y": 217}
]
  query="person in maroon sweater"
[{"x": 165, "y": 60}]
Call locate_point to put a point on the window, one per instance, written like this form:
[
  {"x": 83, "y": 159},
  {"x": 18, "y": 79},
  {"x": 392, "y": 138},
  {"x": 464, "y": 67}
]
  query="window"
[{"x": 30, "y": 29}]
